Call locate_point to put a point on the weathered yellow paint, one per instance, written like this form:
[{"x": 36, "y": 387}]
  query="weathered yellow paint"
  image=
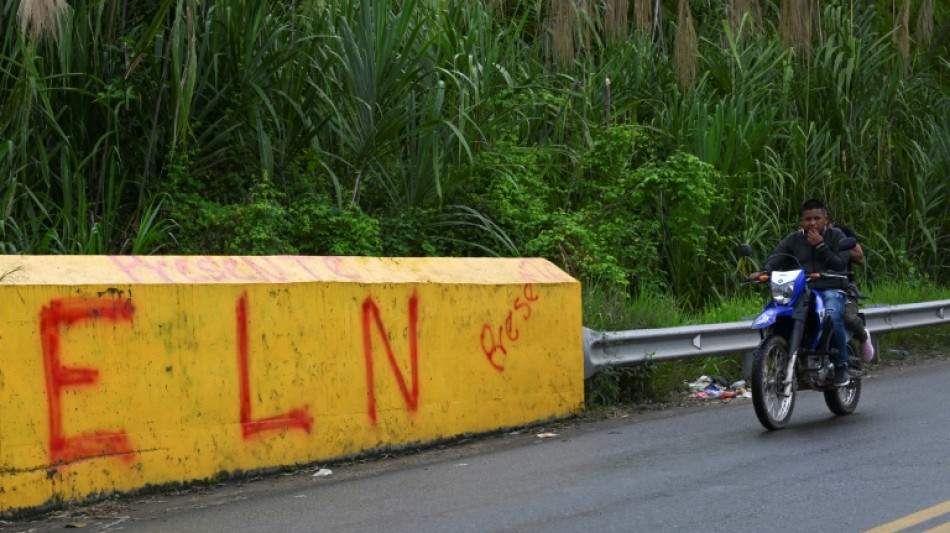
[{"x": 497, "y": 343}]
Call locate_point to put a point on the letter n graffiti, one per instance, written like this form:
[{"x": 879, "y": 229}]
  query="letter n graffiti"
[
  {"x": 371, "y": 313},
  {"x": 67, "y": 312}
]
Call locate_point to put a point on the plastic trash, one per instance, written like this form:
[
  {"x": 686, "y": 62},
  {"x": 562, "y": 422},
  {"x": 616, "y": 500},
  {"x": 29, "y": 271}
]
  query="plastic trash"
[
  {"x": 546, "y": 435},
  {"x": 717, "y": 387},
  {"x": 323, "y": 472},
  {"x": 899, "y": 353}
]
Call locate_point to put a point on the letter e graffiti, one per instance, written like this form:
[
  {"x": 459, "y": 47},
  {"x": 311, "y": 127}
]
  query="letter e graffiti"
[
  {"x": 296, "y": 418},
  {"x": 67, "y": 312},
  {"x": 371, "y": 313},
  {"x": 492, "y": 346}
]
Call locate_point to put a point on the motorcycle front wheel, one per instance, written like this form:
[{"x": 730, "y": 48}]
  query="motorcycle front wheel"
[
  {"x": 772, "y": 407},
  {"x": 844, "y": 400}
]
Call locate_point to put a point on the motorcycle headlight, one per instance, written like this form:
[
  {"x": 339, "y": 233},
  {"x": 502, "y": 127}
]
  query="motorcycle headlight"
[{"x": 782, "y": 292}]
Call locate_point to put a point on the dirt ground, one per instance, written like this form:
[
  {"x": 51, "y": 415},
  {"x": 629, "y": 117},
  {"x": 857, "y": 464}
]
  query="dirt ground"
[{"x": 109, "y": 515}]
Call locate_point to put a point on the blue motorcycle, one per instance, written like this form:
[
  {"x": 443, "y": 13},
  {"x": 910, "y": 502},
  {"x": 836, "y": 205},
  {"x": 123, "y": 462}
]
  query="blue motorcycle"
[{"x": 796, "y": 350}]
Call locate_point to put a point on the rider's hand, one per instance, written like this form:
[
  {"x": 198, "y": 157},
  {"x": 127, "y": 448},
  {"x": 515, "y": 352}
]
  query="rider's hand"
[{"x": 814, "y": 237}]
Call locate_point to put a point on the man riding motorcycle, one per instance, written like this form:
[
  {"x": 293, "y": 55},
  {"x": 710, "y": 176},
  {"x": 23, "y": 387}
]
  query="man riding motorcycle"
[{"x": 815, "y": 246}]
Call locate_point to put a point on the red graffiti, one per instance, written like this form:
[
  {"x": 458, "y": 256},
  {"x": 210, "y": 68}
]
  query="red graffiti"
[
  {"x": 370, "y": 310},
  {"x": 67, "y": 312},
  {"x": 296, "y": 418},
  {"x": 204, "y": 270},
  {"x": 491, "y": 344},
  {"x": 208, "y": 270},
  {"x": 333, "y": 264},
  {"x": 129, "y": 265}
]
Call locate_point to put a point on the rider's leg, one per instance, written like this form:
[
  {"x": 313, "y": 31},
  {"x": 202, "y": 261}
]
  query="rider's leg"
[
  {"x": 834, "y": 307},
  {"x": 855, "y": 325},
  {"x": 852, "y": 321}
]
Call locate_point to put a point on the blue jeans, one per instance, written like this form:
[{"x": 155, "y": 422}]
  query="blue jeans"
[{"x": 835, "y": 302}]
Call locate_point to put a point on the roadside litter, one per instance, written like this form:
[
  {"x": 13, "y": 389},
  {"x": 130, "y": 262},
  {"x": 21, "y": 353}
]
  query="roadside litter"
[{"x": 717, "y": 388}]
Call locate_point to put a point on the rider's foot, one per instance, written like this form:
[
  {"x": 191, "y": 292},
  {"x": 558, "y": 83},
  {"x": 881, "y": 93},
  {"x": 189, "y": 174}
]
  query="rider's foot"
[
  {"x": 867, "y": 349},
  {"x": 842, "y": 376}
]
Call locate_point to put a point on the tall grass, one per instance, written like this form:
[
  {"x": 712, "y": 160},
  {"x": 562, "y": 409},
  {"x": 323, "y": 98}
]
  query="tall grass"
[{"x": 387, "y": 106}]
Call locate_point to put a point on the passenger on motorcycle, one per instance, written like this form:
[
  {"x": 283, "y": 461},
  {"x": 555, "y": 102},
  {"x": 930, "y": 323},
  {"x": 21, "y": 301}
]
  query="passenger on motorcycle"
[
  {"x": 852, "y": 320},
  {"x": 815, "y": 246}
]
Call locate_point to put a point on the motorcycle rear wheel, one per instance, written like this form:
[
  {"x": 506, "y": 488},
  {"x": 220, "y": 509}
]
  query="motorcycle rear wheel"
[
  {"x": 772, "y": 408},
  {"x": 844, "y": 400}
]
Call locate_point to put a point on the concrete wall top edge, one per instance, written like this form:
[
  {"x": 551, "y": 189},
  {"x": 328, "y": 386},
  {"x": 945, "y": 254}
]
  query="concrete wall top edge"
[{"x": 107, "y": 270}]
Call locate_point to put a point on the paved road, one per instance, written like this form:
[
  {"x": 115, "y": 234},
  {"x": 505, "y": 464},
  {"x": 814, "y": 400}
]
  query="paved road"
[{"x": 709, "y": 468}]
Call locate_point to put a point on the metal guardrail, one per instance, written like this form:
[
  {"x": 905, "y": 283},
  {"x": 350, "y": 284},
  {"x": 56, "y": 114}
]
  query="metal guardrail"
[{"x": 624, "y": 348}]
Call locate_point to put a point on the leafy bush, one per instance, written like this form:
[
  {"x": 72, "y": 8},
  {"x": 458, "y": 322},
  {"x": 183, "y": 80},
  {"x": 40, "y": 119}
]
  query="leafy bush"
[
  {"x": 617, "y": 151},
  {"x": 675, "y": 198},
  {"x": 267, "y": 222},
  {"x": 404, "y": 233},
  {"x": 319, "y": 228},
  {"x": 260, "y": 225}
]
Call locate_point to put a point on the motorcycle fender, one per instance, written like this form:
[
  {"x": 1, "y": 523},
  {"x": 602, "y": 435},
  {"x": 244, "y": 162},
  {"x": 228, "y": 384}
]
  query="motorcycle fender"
[{"x": 768, "y": 316}]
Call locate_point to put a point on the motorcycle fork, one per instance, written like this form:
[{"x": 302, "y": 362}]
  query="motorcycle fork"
[{"x": 795, "y": 342}]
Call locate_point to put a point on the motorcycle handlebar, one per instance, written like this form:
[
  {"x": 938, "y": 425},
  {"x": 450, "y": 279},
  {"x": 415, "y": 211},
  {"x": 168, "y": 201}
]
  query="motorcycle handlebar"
[
  {"x": 811, "y": 277},
  {"x": 843, "y": 275}
]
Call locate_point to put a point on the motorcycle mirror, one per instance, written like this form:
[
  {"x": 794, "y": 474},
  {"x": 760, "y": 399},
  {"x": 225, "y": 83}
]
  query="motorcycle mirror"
[
  {"x": 847, "y": 243},
  {"x": 746, "y": 250}
]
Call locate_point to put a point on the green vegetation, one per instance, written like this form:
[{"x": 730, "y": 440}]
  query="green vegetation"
[{"x": 634, "y": 149}]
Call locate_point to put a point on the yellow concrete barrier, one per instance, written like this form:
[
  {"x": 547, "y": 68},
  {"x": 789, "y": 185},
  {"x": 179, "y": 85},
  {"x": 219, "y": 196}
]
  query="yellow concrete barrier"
[{"x": 121, "y": 372}]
